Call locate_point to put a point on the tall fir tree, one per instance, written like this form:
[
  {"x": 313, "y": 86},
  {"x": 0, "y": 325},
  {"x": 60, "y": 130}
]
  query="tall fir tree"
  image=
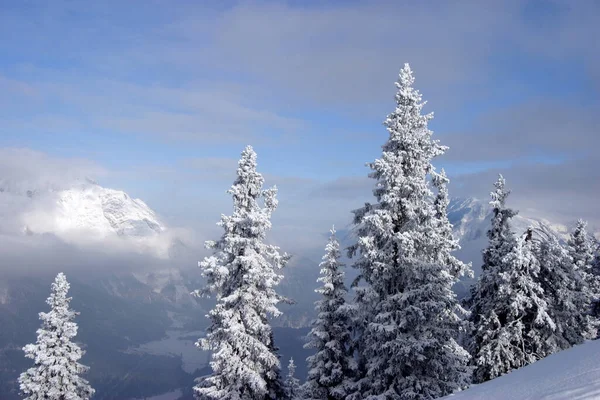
[
  {"x": 332, "y": 367},
  {"x": 509, "y": 313},
  {"x": 56, "y": 372},
  {"x": 292, "y": 384},
  {"x": 581, "y": 249},
  {"x": 565, "y": 291},
  {"x": 242, "y": 274},
  {"x": 407, "y": 321}
]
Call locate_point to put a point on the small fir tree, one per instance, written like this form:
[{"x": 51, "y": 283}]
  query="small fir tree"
[
  {"x": 581, "y": 249},
  {"x": 332, "y": 367},
  {"x": 56, "y": 371},
  {"x": 527, "y": 307},
  {"x": 565, "y": 291},
  {"x": 491, "y": 359},
  {"x": 242, "y": 274},
  {"x": 595, "y": 312},
  {"x": 509, "y": 313},
  {"x": 292, "y": 384}
]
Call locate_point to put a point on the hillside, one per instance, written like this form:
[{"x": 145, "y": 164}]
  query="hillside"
[{"x": 572, "y": 374}]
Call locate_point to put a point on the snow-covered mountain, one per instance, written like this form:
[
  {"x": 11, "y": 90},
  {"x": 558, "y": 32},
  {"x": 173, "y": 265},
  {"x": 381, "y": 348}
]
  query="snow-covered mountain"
[
  {"x": 572, "y": 374},
  {"x": 83, "y": 213},
  {"x": 471, "y": 218},
  {"x": 106, "y": 211},
  {"x": 91, "y": 218}
]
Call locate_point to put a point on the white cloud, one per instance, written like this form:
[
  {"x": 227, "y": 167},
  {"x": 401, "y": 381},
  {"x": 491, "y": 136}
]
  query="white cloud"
[
  {"x": 23, "y": 169},
  {"x": 264, "y": 64}
]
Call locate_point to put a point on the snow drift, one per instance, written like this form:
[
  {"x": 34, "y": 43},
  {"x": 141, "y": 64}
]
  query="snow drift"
[{"x": 572, "y": 374}]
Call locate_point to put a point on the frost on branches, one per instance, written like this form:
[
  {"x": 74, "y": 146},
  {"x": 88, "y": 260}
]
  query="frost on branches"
[
  {"x": 56, "y": 371},
  {"x": 581, "y": 249},
  {"x": 406, "y": 344},
  {"x": 509, "y": 313},
  {"x": 242, "y": 274},
  {"x": 292, "y": 384},
  {"x": 595, "y": 297},
  {"x": 332, "y": 366},
  {"x": 447, "y": 243},
  {"x": 566, "y": 292}
]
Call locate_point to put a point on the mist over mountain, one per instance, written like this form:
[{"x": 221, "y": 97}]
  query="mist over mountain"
[
  {"x": 83, "y": 213},
  {"x": 88, "y": 219},
  {"x": 132, "y": 276}
]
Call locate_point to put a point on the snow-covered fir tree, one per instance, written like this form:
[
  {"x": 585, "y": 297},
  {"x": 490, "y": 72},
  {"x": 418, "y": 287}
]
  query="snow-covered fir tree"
[
  {"x": 332, "y": 367},
  {"x": 596, "y": 262},
  {"x": 292, "y": 384},
  {"x": 243, "y": 274},
  {"x": 56, "y": 374},
  {"x": 485, "y": 296},
  {"x": 581, "y": 249},
  {"x": 565, "y": 291},
  {"x": 527, "y": 307},
  {"x": 581, "y": 246},
  {"x": 405, "y": 305},
  {"x": 447, "y": 242},
  {"x": 509, "y": 314},
  {"x": 595, "y": 313}
]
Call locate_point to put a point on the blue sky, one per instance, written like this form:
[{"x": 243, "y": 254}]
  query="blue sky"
[{"x": 157, "y": 93}]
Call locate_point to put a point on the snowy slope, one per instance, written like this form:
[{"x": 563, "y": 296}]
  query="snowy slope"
[{"x": 572, "y": 374}]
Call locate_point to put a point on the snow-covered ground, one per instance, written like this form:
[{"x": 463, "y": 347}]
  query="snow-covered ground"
[{"x": 572, "y": 374}]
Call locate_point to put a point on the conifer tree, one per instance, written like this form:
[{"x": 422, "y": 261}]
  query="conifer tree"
[
  {"x": 447, "y": 242},
  {"x": 509, "y": 313},
  {"x": 596, "y": 262},
  {"x": 332, "y": 366},
  {"x": 581, "y": 249},
  {"x": 581, "y": 246},
  {"x": 565, "y": 291},
  {"x": 242, "y": 274},
  {"x": 56, "y": 371},
  {"x": 595, "y": 312},
  {"x": 406, "y": 342},
  {"x": 292, "y": 384}
]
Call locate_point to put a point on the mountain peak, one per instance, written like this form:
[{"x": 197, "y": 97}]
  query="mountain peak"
[
  {"x": 82, "y": 212},
  {"x": 93, "y": 209}
]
